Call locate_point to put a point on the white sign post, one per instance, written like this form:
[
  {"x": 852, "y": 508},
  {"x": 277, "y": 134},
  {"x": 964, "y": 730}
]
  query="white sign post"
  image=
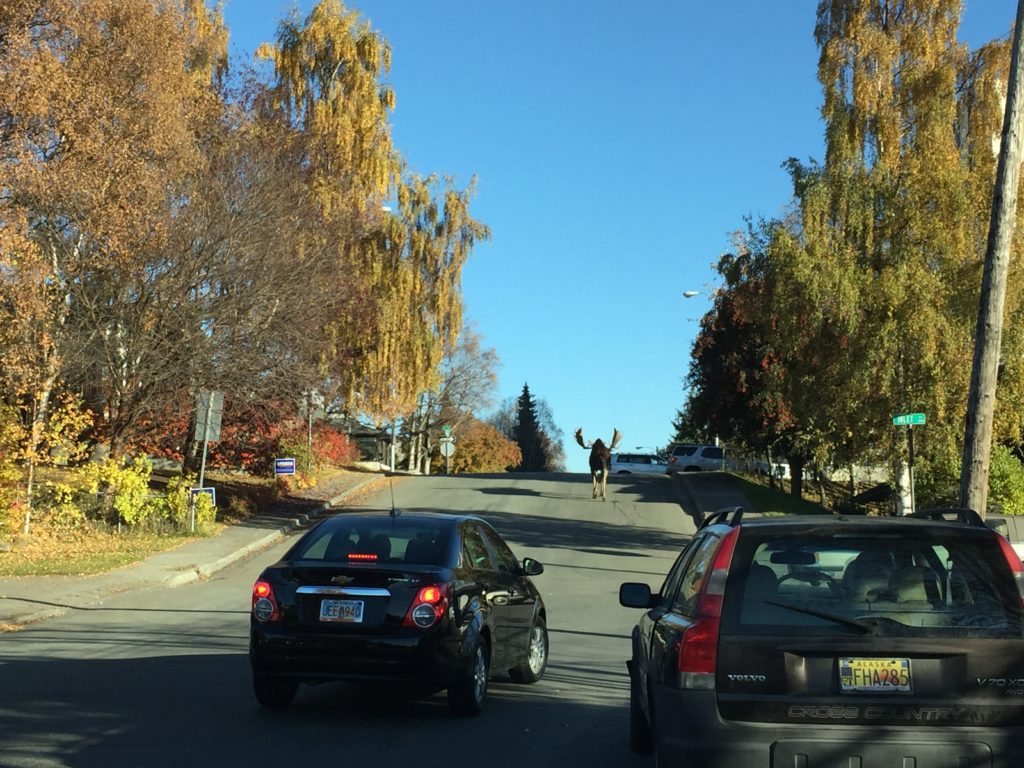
[
  {"x": 209, "y": 410},
  {"x": 909, "y": 420},
  {"x": 447, "y": 449}
]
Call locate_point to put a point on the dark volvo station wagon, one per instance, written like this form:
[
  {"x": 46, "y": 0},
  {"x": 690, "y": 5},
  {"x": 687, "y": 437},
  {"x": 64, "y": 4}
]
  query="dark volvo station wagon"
[{"x": 830, "y": 641}]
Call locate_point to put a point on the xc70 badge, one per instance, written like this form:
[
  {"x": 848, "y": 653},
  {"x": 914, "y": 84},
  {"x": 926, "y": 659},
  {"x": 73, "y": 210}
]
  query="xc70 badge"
[{"x": 1010, "y": 686}]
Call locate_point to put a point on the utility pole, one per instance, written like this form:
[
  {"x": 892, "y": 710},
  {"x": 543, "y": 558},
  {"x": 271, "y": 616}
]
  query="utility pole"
[{"x": 988, "y": 335}]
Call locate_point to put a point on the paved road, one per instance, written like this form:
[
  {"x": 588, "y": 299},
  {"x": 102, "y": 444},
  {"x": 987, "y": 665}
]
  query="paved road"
[{"x": 160, "y": 677}]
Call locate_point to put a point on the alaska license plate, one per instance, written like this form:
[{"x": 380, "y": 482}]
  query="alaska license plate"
[
  {"x": 859, "y": 675},
  {"x": 350, "y": 611}
]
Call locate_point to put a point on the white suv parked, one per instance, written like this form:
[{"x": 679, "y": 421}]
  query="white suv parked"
[
  {"x": 687, "y": 457},
  {"x": 637, "y": 464}
]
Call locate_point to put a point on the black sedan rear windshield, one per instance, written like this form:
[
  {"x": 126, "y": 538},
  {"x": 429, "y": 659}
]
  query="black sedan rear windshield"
[
  {"x": 921, "y": 582},
  {"x": 377, "y": 540}
]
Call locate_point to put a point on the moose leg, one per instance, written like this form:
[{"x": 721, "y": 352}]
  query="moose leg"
[
  {"x": 604, "y": 485},
  {"x": 593, "y": 482}
]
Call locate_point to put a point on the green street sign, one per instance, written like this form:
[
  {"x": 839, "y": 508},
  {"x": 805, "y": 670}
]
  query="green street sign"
[
  {"x": 908, "y": 419},
  {"x": 447, "y": 429}
]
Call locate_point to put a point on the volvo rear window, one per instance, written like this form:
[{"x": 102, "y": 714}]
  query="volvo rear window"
[
  {"x": 421, "y": 542},
  {"x": 894, "y": 583}
]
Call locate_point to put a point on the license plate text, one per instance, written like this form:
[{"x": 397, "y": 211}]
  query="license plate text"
[
  {"x": 857, "y": 675},
  {"x": 350, "y": 611}
]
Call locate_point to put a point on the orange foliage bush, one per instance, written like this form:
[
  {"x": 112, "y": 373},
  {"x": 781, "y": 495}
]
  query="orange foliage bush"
[
  {"x": 333, "y": 447},
  {"x": 481, "y": 448}
]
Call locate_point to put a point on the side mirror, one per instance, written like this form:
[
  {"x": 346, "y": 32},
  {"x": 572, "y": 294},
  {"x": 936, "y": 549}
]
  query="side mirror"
[
  {"x": 531, "y": 567},
  {"x": 636, "y": 595}
]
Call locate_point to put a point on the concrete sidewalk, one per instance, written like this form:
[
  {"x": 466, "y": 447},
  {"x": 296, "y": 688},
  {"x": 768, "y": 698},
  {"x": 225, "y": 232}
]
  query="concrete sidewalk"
[{"x": 31, "y": 599}]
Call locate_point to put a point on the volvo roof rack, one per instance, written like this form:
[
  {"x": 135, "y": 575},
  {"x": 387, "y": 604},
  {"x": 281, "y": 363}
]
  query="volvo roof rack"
[
  {"x": 728, "y": 515},
  {"x": 958, "y": 514}
]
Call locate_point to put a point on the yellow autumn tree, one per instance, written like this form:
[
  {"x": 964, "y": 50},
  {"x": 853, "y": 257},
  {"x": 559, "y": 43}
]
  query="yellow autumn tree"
[
  {"x": 415, "y": 271},
  {"x": 330, "y": 68},
  {"x": 875, "y": 281},
  {"x": 98, "y": 129}
]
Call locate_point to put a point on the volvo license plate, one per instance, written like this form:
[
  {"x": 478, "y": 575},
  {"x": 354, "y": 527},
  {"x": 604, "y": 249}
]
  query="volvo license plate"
[
  {"x": 860, "y": 675},
  {"x": 350, "y": 611}
]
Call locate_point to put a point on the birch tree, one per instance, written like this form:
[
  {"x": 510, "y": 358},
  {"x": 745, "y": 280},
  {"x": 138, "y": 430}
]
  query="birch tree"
[{"x": 329, "y": 73}]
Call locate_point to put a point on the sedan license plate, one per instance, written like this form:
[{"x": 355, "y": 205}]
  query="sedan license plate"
[
  {"x": 859, "y": 675},
  {"x": 350, "y": 611}
]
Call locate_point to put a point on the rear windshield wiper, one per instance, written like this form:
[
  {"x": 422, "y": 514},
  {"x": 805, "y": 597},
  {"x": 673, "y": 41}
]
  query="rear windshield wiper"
[{"x": 860, "y": 626}]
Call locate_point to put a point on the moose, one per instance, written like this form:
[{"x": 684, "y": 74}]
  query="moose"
[{"x": 600, "y": 456}]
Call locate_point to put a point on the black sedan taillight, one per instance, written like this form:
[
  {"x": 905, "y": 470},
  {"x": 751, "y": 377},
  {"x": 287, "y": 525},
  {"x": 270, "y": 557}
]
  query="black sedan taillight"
[
  {"x": 430, "y": 605},
  {"x": 264, "y": 604}
]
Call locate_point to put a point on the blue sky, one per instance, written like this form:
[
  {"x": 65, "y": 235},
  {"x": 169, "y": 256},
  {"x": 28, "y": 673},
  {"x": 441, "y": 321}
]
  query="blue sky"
[{"x": 616, "y": 147}]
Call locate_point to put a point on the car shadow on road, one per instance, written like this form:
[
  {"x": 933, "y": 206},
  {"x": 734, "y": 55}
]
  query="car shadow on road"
[{"x": 199, "y": 710}]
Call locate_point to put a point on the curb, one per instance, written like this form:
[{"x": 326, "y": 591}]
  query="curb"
[
  {"x": 206, "y": 570},
  {"x": 687, "y": 500}
]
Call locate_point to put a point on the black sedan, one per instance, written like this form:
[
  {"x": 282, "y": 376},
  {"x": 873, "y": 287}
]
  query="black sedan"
[{"x": 425, "y": 600}]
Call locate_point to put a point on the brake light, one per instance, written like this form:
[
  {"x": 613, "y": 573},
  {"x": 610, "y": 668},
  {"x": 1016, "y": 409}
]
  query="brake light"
[
  {"x": 698, "y": 648},
  {"x": 362, "y": 557},
  {"x": 430, "y": 605},
  {"x": 430, "y": 595},
  {"x": 1016, "y": 567},
  {"x": 264, "y": 603}
]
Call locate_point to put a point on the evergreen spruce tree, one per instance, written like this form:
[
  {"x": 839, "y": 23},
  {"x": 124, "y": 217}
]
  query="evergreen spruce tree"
[{"x": 526, "y": 433}]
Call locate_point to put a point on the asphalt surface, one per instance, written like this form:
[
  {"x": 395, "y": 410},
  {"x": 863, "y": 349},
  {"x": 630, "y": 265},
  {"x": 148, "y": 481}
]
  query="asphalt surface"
[{"x": 27, "y": 600}]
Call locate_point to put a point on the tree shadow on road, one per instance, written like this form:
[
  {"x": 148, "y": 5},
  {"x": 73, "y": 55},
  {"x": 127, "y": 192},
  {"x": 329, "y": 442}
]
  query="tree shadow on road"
[
  {"x": 654, "y": 488},
  {"x": 579, "y": 535}
]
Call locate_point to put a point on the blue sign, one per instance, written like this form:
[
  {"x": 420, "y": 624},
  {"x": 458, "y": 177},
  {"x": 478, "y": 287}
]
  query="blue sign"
[
  {"x": 211, "y": 492},
  {"x": 284, "y": 466}
]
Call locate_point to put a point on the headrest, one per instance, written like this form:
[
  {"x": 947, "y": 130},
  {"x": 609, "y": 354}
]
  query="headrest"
[
  {"x": 912, "y": 584},
  {"x": 381, "y": 546},
  {"x": 762, "y": 583},
  {"x": 422, "y": 551},
  {"x": 867, "y": 575}
]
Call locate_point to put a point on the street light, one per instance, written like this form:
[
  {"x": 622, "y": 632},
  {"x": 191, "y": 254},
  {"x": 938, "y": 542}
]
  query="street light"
[{"x": 712, "y": 296}]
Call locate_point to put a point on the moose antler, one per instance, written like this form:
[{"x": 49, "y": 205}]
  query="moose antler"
[
  {"x": 616, "y": 437},
  {"x": 579, "y": 438}
]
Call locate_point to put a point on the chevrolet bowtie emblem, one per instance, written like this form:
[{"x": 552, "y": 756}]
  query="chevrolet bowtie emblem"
[{"x": 341, "y": 580}]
